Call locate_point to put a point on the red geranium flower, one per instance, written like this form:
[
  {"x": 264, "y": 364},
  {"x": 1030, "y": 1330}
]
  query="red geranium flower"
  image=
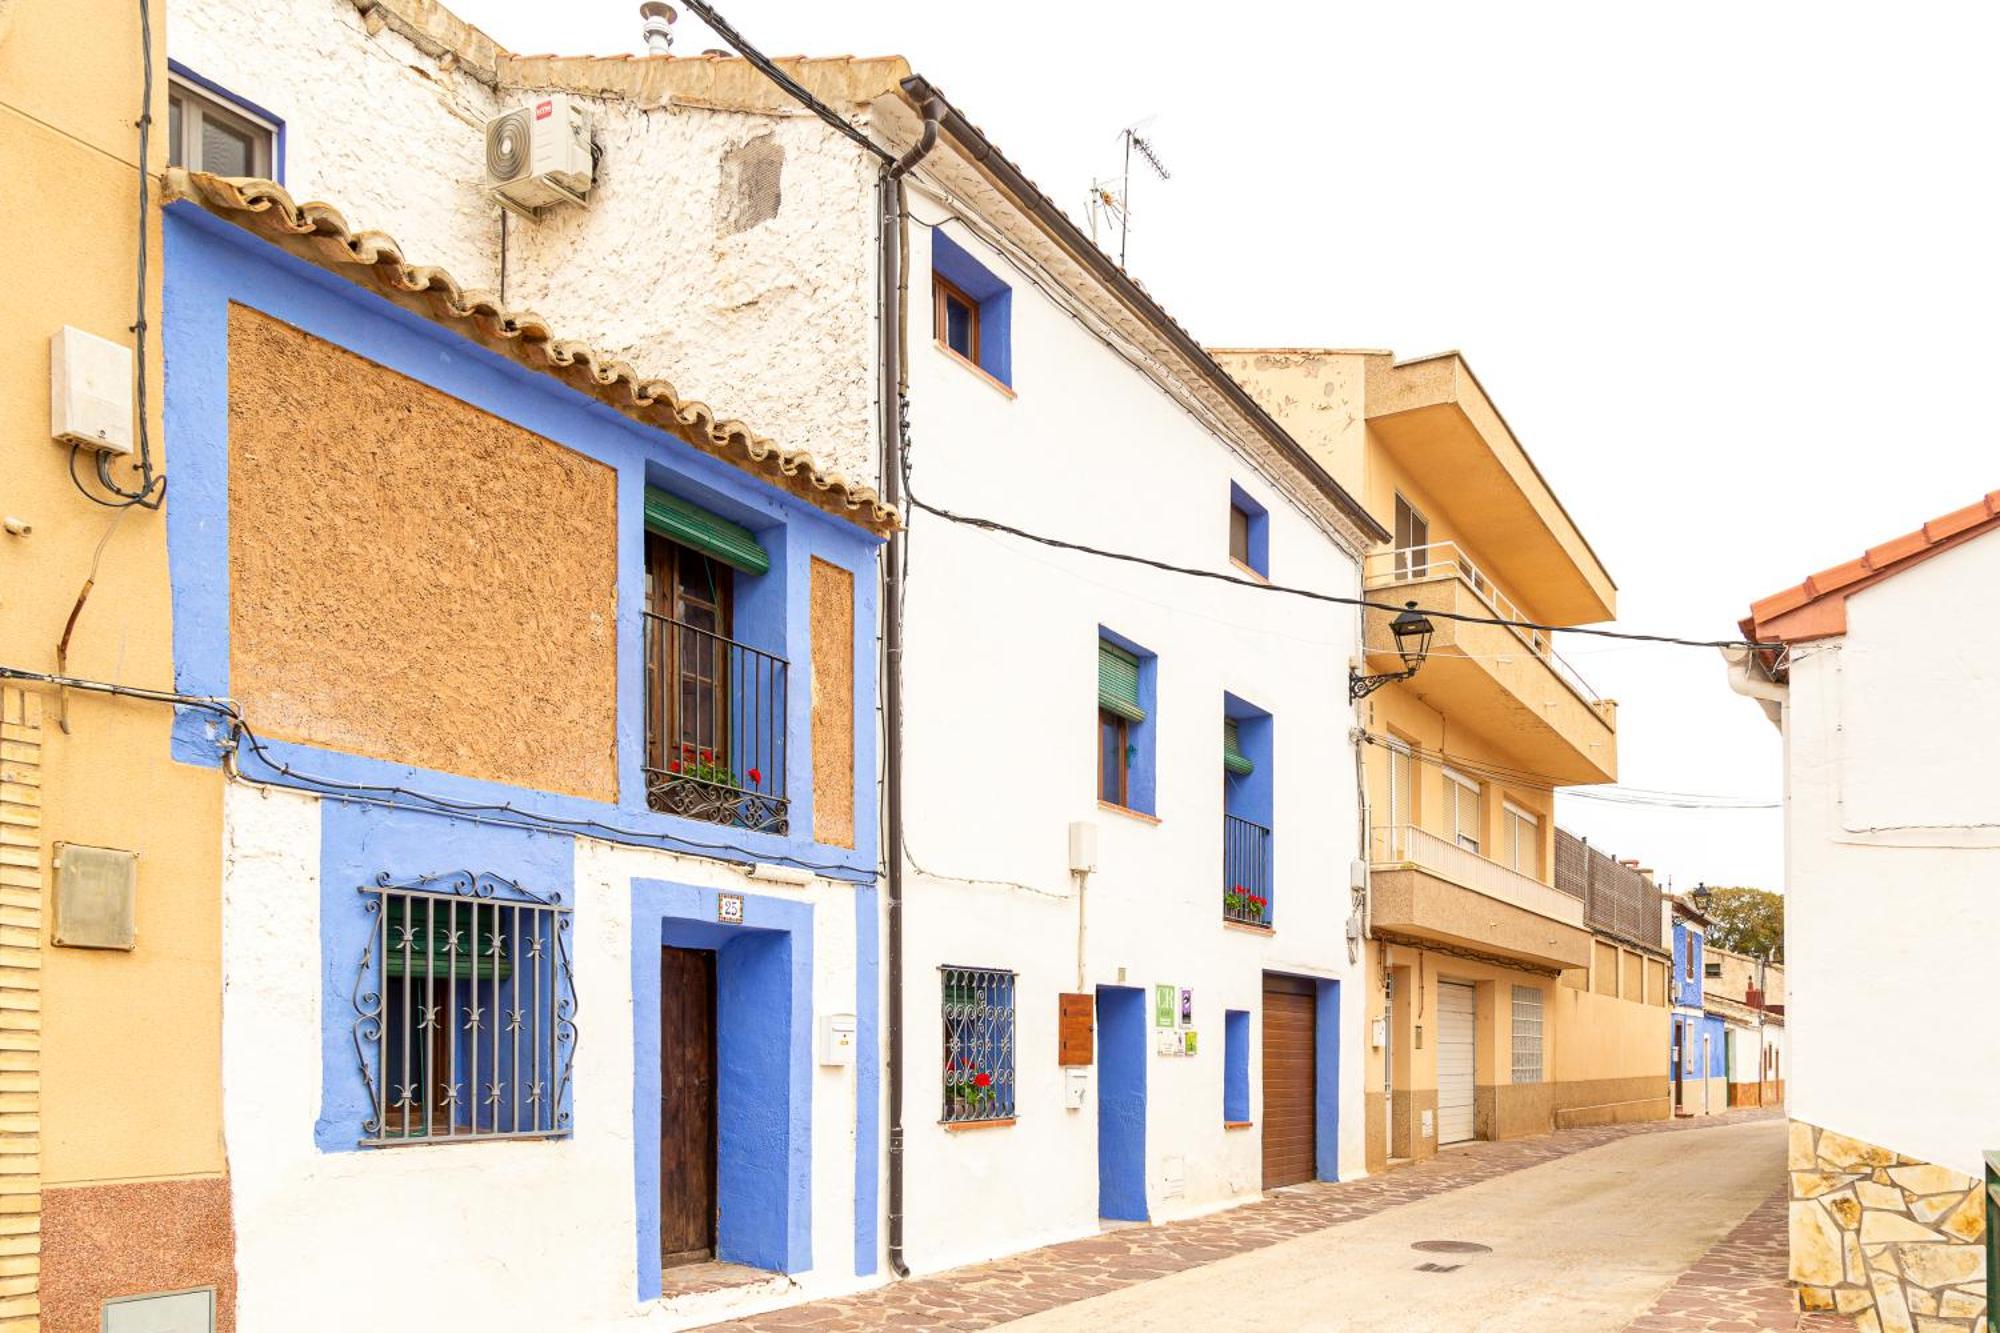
[
  {"x": 707, "y": 755},
  {"x": 674, "y": 766},
  {"x": 756, "y": 775},
  {"x": 982, "y": 1080}
]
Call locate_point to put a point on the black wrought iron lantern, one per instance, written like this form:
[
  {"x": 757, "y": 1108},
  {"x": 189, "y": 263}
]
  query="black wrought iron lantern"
[
  {"x": 1701, "y": 894},
  {"x": 1413, "y": 631}
]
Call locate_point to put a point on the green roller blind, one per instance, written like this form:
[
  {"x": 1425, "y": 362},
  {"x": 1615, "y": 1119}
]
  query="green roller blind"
[
  {"x": 1233, "y": 757},
  {"x": 1118, "y": 682},
  {"x": 711, "y": 534}
]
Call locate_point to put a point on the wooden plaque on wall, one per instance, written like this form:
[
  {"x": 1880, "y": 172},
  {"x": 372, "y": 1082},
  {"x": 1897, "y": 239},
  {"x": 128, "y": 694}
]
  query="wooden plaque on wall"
[{"x": 1076, "y": 1037}]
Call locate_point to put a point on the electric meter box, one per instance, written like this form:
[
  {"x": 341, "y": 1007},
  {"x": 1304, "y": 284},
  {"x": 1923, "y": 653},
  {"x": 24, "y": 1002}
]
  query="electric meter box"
[{"x": 90, "y": 391}]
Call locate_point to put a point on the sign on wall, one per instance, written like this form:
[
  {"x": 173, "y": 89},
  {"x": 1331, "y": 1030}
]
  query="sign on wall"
[{"x": 1163, "y": 1006}]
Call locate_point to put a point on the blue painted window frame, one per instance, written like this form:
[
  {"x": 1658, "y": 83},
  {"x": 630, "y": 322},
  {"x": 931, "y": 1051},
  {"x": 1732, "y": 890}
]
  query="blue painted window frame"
[
  {"x": 1260, "y": 528},
  {"x": 239, "y": 103},
  {"x": 951, "y": 261},
  {"x": 1252, "y": 795},
  {"x": 1236, "y": 1066},
  {"x": 1141, "y": 738}
]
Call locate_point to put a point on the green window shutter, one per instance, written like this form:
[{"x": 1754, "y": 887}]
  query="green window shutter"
[
  {"x": 698, "y": 530},
  {"x": 429, "y": 954},
  {"x": 1118, "y": 682},
  {"x": 1233, "y": 757}
]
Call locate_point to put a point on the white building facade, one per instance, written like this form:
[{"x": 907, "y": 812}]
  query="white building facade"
[
  {"x": 1130, "y": 864},
  {"x": 1890, "y": 707}
]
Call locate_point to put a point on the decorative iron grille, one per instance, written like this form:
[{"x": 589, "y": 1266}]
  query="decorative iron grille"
[
  {"x": 978, "y": 1044},
  {"x": 1527, "y": 1034},
  {"x": 715, "y": 728},
  {"x": 1246, "y": 872},
  {"x": 465, "y": 1007}
]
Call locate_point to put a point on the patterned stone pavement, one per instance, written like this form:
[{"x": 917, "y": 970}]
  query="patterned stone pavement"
[
  {"x": 984, "y": 1295},
  {"x": 1739, "y": 1286}
]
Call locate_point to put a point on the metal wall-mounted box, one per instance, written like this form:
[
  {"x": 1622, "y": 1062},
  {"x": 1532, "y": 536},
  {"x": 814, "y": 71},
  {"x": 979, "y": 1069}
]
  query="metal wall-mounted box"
[
  {"x": 165, "y": 1312},
  {"x": 836, "y": 1039},
  {"x": 90, "y": 391},
  {"x": 96, "y": 897}
]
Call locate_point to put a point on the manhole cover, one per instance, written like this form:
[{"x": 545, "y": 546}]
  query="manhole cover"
[{"x": 1452, "y": 1247}]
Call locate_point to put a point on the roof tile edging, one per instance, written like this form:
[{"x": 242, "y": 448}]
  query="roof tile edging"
[{"x": 319, "y": 232}]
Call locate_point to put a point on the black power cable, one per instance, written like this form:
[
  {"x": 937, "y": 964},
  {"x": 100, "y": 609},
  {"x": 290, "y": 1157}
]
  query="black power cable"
[{"x": 766, "y": 66}]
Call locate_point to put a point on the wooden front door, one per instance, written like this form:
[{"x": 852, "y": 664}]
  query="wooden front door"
[
  {"x": 1290, "y": 1080},
  {"x": 687, "y": 1106}
]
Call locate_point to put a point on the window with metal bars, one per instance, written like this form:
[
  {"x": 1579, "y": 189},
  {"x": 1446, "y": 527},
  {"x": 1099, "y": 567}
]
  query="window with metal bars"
[
  {"x": 465, "y": 1011},
  {"x": 1527, "y": 1034},
  {"x": 978, "y": 1044}
]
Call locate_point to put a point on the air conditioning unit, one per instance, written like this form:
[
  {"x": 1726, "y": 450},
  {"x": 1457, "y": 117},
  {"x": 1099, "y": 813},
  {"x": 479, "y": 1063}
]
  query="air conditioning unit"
[{"x": 538, "y": 155}]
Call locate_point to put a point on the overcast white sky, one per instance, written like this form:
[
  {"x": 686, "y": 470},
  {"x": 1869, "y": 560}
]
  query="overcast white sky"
[{"x": 1729, "y": 270}]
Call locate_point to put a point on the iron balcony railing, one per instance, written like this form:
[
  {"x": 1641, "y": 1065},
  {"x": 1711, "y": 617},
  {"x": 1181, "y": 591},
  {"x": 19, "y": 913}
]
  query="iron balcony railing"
[
  {"x": 1246, "y": 872},
  {"x": 715, "y": 728},
  {"x": 1444, "y": 560}
]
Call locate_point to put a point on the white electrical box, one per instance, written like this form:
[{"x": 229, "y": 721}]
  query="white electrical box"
[
  {"x": 1076, "y": 1087},
  {"x": 1378, "y": 1033},
  {"x": 168, "y": 1312},
  {"x": 90, "y": 391},
  {"x": 1082, "y": 847},
  {"x": 836, "y": 1039}
]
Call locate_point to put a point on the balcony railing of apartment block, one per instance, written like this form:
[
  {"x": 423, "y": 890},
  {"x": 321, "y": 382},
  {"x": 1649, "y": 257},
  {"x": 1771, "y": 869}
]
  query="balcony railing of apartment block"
[
  {"x": 1444, "y": 560},
  {"x": 715, "y": 728},
  {"x": 1408, "y": 845},
  {"x": 1246, "y": 872}
]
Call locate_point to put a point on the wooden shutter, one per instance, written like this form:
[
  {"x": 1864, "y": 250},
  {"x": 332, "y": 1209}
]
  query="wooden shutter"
[{"x": 1118, "y": 682}]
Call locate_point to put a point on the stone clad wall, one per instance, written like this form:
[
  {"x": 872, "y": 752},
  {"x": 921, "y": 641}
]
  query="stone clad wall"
[{"x": 1896, "y": 1242}]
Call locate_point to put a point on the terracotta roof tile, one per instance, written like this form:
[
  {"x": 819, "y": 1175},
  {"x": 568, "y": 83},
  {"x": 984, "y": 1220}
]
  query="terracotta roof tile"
[
  {"x": 318, "y": 233},
  {"x": 1817, "y": 608}
]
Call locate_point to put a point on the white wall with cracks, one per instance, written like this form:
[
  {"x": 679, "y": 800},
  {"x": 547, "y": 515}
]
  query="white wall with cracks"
[{"x": 745, "y": 278}]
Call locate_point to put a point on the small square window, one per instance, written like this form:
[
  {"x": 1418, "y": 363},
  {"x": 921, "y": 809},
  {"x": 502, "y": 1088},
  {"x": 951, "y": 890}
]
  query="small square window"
[
  {"x": 972, "y": 310},
  {"x": 1249, "y": 533},
  {"x": 205, "y": 133},
  {"x": 1711, "y": 970},
  {"x": 957, "y": 321}
]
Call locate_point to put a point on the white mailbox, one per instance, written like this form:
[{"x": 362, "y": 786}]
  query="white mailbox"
[{"x": 836, "y": 1039}]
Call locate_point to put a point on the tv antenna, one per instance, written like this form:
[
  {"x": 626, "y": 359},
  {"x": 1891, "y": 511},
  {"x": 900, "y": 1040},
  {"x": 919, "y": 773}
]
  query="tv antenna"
[{"x": 1114, "y": 205}]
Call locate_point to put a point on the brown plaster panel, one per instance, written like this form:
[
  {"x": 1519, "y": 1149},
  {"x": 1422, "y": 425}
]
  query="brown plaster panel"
[
  {"x": 101, "y": 1241},
  {"x": 1522, "y": 1109},
  {"x": 412, "y": 578},
  {"x": 833, "y": 704}
]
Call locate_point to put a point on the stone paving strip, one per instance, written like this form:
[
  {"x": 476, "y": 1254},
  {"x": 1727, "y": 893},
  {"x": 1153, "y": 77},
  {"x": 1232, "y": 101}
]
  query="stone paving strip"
[
  {"x": 985, "y": 1295},
  {"x": 1739, "y": 1286}
]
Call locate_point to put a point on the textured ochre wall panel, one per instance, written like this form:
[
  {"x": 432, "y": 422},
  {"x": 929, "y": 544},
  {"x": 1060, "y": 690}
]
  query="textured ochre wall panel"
[
  {"x": 126, "y": 1240},
  {"x": 833, "y": 704},
  {"x": 412, "y": 578}
]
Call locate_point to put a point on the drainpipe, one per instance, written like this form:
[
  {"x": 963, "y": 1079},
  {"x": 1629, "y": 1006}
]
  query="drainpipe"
[{"x": 894, "y": 297}]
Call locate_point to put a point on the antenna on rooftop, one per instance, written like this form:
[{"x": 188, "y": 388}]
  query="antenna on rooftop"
[{"x": 1113, "y": 200}]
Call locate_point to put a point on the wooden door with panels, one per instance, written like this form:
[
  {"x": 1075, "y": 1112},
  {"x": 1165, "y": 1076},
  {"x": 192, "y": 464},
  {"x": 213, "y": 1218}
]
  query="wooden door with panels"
[
  {"x": 1291, "y": 1080},
  {"x": 687, "y": 1106}
]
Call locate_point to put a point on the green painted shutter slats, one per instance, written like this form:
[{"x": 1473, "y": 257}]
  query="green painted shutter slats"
[
  {"x": 1118, "y": 682},
  {"x": 711, "y": 534},
  {"x": 1233, "y": 757}
]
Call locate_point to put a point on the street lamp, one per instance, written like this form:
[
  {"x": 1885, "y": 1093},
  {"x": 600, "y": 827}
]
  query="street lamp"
[
  {"x": 1413, "y": 631},
  {"x": 1701, "y": 894}
]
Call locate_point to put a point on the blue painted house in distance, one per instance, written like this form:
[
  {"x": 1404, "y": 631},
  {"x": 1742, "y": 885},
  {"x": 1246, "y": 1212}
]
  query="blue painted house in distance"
[
  {"x": 551, "y": 934},
  {"x": 1698, "y": 1060}
]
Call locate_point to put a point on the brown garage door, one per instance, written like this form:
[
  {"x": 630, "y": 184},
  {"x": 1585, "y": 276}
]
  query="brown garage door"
[{"x": 1288, "y": 1080}]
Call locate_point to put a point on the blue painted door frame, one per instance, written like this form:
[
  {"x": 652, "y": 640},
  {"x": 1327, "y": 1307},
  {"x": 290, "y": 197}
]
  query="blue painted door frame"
[{"x": 1121, "y": 1103}]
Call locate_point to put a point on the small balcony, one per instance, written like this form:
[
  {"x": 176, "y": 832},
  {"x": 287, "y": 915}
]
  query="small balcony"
[
  {"x": 1509, "y": 684},
  {"x": 1428, "y": 888},
  {"x": 715, "y": 728},
  {"x": 1246, "y": 872}
]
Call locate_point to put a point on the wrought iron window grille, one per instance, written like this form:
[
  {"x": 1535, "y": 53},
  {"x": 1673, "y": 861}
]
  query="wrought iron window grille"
[
  {"x": 978, "y": 1044},
  {"x": 465, "y": 1011},
  {"x": 715, "y": 728},
  {"x": 1246, "y": 872}
]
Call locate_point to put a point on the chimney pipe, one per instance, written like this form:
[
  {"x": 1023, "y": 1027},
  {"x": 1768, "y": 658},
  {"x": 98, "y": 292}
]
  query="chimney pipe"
[{"x": 659, "y": 17}]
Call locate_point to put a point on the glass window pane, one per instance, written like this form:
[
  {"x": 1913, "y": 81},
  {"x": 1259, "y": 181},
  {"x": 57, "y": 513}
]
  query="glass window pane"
[
  {"x": 226, "y": 151},
  {"x": 1239, "y": 535},
  {"x": 958, "y": 326},
  {"x": 176, "y": 156},
  {"x": 1110, "y": 759}
]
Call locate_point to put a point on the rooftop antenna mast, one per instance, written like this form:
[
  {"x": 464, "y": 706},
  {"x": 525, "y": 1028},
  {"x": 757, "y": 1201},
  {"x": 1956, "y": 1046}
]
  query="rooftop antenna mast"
[{"x": 1116, "y": 205}]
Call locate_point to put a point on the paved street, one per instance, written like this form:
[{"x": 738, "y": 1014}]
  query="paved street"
[{"x": 1663, "y": 1226}]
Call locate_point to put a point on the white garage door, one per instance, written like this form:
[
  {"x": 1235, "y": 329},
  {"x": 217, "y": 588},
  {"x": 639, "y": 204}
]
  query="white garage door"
[{"x": 1454, "y": 1041}]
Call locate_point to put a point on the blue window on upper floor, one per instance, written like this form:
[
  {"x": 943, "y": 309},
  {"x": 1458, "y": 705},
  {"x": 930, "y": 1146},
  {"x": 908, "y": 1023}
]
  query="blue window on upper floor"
[
  {"x": 1127, "y": 725},
  {"x": 1247, "y": 797},
  {"x": 972, "y": 313},
  {"x": 1249, "y": 532}
]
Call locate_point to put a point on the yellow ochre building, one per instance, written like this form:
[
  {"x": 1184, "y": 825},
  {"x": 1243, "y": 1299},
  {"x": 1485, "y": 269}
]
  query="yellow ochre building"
[{"x": 1516, "y": 980}]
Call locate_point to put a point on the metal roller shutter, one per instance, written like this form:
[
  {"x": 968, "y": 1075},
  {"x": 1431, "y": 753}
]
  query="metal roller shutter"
[
  {"x": 1290, "y": 1075},
  {"x": 1454, "y": 1054}
]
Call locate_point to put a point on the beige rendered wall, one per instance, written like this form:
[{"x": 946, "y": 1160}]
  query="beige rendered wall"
[{"x": 129, "y": 1078}]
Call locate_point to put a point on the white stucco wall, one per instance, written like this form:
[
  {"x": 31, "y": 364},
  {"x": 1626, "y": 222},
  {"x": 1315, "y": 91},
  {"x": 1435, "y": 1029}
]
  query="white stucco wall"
[
  {"x": 330, "y": 1241},
  {"x": 1001, "y": 688},
  {"x": 774, "y": 325},
  {"x": 1893, "y": 889}
]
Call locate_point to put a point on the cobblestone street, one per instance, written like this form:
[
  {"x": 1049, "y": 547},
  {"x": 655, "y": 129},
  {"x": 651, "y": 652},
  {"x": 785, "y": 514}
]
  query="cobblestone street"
[{"x": 1738, "y": 1285}]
